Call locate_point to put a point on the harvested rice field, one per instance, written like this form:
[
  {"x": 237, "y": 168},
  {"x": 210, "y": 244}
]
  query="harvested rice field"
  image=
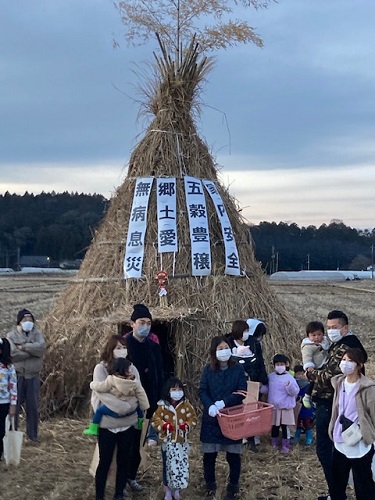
[{"x": 57, "y": 467}]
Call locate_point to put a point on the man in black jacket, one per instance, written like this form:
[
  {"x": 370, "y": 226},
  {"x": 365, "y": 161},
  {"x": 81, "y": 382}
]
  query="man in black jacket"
[
  {"x": 341, "y": 337},
  {"x": 146, "y": 356}
]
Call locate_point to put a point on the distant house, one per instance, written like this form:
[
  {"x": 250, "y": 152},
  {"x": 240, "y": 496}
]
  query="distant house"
[
  {"x": 35, "y": 261},
  {"x": 70, "y": 264}
]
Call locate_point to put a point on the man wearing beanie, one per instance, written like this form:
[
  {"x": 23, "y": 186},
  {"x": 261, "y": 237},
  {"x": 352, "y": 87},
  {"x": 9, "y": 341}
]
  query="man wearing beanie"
[
  {"x": 146, "y": 356},
  {"x": 27, "y": 348}
]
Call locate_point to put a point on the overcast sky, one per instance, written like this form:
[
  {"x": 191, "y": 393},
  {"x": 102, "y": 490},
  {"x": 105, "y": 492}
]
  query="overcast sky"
[{"x": 300, "y": 112}]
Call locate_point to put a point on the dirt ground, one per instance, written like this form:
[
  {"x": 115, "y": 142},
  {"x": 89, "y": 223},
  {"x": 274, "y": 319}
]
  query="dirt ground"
[{"x": 57, "y": 467}]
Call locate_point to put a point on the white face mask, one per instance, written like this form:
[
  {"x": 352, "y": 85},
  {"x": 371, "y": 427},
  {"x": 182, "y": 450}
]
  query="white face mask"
[
  {"x": 120, "y": 353},
  {"x": 245, "y": 336},
  {"x": 280, "y": 369},
  {"x": 348, "y": 367},
  {"x": 334, "y": 334},
  {"x": 177, "y": 395},
  {"x": 27, "y": 326},
  {"x": 223, "y": 354}
]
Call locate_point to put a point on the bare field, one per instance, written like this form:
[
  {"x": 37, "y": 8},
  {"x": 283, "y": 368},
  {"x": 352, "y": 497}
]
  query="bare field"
[{"x": 57, "y": 467}]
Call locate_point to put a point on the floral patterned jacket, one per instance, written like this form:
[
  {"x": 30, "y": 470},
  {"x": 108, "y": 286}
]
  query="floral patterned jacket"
[
  {"x": 8, "y": 384},
  {"x": 183, "y": 412}
]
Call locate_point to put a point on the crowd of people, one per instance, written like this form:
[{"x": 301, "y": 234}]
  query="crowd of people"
[{"x": 134, "y": 407}]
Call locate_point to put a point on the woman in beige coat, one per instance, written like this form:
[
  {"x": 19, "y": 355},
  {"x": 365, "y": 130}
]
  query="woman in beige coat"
[{"x": 354, "y": 399}]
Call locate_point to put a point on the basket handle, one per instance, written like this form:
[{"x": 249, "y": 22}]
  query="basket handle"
[{"x": 245, "y": 394}]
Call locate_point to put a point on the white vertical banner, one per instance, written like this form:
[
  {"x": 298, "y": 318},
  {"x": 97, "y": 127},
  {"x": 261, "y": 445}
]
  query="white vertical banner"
[
  {"x": 135, "y": 241},
  {"x": 167, "y": 215},
  {"x": 232, "y": 261},
  {"x": 198, "y": 224}
]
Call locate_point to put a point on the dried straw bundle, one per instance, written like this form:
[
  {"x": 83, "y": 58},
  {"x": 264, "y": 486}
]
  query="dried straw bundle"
[{"x": 98, "y": 299}]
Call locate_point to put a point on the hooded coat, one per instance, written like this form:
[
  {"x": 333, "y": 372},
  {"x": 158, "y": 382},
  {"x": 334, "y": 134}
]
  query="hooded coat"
[{"x": 365, "y": 400}]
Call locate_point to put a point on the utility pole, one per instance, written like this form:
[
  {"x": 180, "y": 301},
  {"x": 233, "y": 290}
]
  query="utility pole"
[
  {"x": 372, "y": 261},
  {"x": 308, "y": 262},
  {"x": 277, "y": 261},
  {"x": 272, "y": 260}
]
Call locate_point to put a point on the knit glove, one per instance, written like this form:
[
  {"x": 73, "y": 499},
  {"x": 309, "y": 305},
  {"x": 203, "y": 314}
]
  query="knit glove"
[
  {"x": 213, "y": 410},
  {"x": 168, "y": 427},
  {"x": 220, "y": 404}
]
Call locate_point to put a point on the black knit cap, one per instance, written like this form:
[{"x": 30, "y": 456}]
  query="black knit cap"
[
  {"x": 140, "y": 311},
  {"x": 280, "y": 358},
  {"x": 22, "y": 313}
]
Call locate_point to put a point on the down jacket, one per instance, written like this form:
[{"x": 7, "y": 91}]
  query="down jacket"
[
  {"x": 216, "y": 386},
  {"x": 127, "y": 408},
  {"x": 122, "y": 388}
]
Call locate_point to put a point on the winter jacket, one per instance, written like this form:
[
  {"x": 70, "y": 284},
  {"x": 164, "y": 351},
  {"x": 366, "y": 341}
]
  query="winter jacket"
[
  {"x": 183, "y": 412},
  {"x": 254, "y": 365},
  {"x": 304, "y": 412},
  {"x": 282, "y": 390},
  {"x": 322, "y": 377},
  {"x": 127, "y": 408},
  {"x": 216, "y": 386},
  {"x": 146, "y": 357},
  {"x": 28, "y": 361},
  {"x": 123, "y": 389},
  {"x": 365, "y": 400},
  {"x": 8, "y": 384},
  {"x": 314, "y": 355}
]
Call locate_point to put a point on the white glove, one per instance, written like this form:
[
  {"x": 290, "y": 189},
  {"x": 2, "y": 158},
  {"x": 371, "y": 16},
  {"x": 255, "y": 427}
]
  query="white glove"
[
  {"x": 213, "y": 410},
  {"x": 220, "y": 404}
]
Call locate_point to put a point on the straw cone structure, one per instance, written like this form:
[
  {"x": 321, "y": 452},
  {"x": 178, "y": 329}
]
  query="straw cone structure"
[{"x": 99, "y": 298}]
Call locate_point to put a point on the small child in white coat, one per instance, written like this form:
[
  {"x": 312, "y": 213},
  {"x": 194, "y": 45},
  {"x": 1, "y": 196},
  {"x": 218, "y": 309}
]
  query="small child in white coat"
[{"x": 314, "y": 350}]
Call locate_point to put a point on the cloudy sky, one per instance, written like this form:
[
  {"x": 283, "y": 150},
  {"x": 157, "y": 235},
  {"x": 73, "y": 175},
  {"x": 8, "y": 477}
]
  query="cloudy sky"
[{"x": 298, "y": 144}]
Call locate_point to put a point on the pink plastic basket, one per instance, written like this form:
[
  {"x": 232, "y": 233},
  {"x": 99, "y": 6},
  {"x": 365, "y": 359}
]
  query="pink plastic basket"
[{"x": 246, "y": 420}]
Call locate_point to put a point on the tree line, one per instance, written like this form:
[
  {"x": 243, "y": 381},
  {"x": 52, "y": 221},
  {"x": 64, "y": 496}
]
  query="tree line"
[
  {"x": 56, "y": 225},
  {"x": 287, "y": 247},
  {"x": 61, "y": 226}
]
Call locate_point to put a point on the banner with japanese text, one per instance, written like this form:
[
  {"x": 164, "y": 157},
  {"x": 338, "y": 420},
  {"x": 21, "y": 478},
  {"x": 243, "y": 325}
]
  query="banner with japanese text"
[
  {"x": 167, "y": 215},
  {"x": 135, "y": 242},
  {"x": 198, "y": 224},
  {"x": 232, "y": 261}
]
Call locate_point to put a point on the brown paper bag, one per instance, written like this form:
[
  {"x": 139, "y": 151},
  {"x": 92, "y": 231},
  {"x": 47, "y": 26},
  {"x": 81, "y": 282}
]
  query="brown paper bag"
[
  {"x": 252, "y": 392},
  {"x": 143, "y": 451},
  {"x": 111, "y": 478}
]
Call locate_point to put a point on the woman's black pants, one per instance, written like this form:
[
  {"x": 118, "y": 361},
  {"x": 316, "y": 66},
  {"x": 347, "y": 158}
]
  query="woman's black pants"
[
  {"x": 107, "y": 442},
  {"x": 364, "y": 484}
]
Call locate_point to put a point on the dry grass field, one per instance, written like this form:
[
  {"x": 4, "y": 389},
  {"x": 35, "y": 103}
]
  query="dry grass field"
[{"x": 57, "y": 467}]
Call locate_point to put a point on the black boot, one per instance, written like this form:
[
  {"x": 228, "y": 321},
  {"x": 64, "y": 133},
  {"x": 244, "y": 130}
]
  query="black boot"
[
  {"x": 232, "y": 492},
  {"x": 210, "y": 490}
]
